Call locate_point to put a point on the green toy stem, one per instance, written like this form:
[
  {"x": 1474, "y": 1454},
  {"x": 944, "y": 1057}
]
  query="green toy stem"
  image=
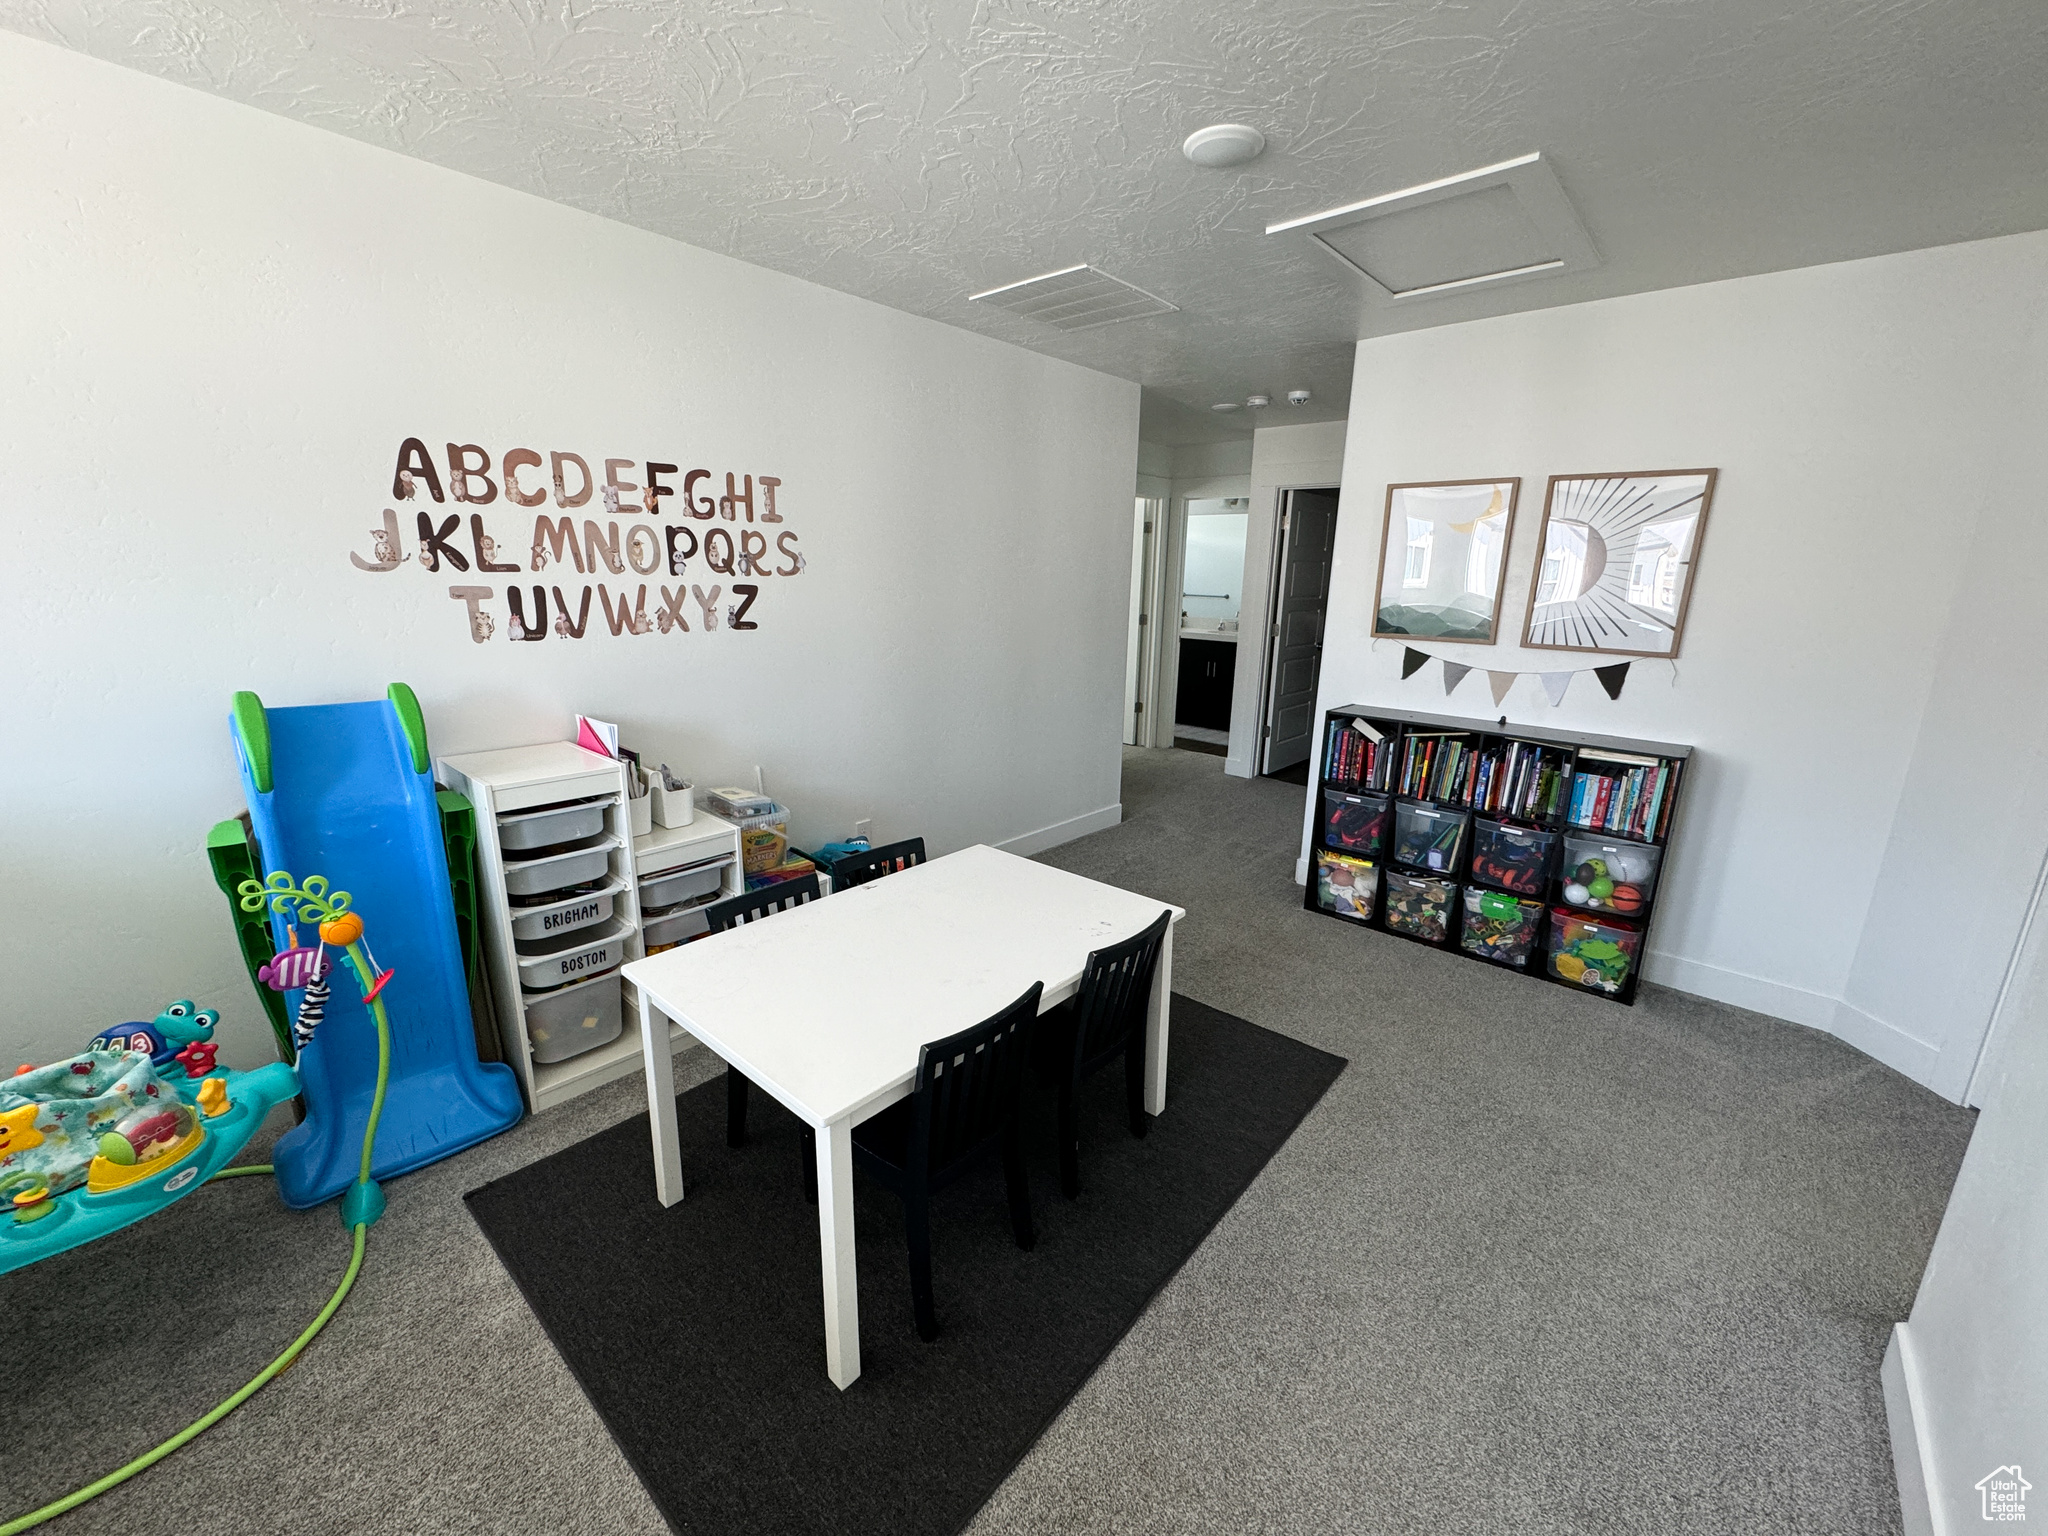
[
  {"x": 368, "y": 979},
  {"x": 199, "y": 1426},
  {"x": 242, "y": 1172}
]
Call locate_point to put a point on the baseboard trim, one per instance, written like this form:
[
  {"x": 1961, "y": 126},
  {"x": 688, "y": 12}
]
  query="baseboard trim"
[
  {"x": 1889, "y": 1044},
  {"x": 1025, "y": 844},
  {"x": 1904, "y": 1412},
  {"x": 1301, "y": 870},
  {"x": 1756, "y": 993}
]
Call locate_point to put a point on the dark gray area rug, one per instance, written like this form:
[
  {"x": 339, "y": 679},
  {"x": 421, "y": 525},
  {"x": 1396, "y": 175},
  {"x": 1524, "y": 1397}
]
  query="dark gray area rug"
[{"x": 698, "y": 1334}]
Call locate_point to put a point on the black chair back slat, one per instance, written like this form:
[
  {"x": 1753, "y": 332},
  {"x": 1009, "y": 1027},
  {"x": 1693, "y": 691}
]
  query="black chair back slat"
[
  {"x": 860, "y": 868},
  {"x": 766, "y": 902},
  {"x": 968, "y": 1087},
  {"x": 1116, "y": 987}
]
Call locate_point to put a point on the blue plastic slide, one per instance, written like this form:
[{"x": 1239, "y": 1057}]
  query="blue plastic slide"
[{"x": 347, "y": 791}]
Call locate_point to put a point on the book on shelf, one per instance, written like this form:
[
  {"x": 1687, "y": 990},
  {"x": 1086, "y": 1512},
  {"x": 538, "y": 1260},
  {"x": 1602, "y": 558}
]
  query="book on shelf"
[
  {"x": 1356, "y": 755},
  {"x": 1623, "y": 794}
]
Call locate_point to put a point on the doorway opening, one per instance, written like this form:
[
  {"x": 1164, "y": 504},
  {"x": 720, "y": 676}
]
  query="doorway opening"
[
  {"x": 1294, "y": 631},
  {"x": 1211, "y": 592},
  {"x": 1141, "y": 660}
]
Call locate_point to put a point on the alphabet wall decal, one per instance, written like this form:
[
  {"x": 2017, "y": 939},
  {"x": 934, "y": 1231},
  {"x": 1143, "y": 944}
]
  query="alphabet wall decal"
[{"x": 614, "y": 541}]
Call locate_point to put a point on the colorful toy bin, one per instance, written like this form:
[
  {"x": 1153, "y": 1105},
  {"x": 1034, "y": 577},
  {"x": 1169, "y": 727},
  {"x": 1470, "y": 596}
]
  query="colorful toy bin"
[
  {"x": 1355, "y": 823},
  {"x": 1596, "y": 953},
  {"x": 1512, "y": 858},
  {"x": 1500, "y": 927},
  {"x": 1345, "y": 885},
  {"x": 1606, "y": 875},
  {"x": 1419, "y": 905}
]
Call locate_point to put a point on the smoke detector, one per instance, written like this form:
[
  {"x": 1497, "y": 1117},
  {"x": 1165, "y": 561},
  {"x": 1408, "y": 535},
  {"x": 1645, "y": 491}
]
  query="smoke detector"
[
  {"x": 1222, "y": 145},
  {"x": 1258, "y": 402},
  {"x": 1297, "y": 397}
]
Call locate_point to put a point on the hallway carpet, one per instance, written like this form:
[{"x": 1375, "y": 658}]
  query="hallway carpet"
[{"x": 1534, "y": 1263}]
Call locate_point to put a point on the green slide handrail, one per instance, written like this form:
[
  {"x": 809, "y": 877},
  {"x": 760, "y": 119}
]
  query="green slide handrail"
[
  {"x": 252, "y": 729},
  {"x": 412, "y": 722}
]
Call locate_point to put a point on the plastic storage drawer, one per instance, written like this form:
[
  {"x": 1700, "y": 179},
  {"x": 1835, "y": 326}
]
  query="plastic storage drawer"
[
  {"x": 674, "y": 886},
  {"x": 1591, "y": 952},
  {"x": 1346, "y": 885},
  {"x": 573, "y": 1020},
  {"x": 1607, "y": 875},
  {"x": 558, "y": 871},
  {"x": 1419, "y": 905},
  {"x": 1428, "y": 838},
  {"x": 583, "y": 910},
  {"x": 544, "y": 829},
  {"x": 1514, "y": 859},
  {"x": 676, "y": 928},
  {"x": 567, "y": 957},
  {"x": 1355, "y": 823},
  {"x": 1500, "y": 927}
]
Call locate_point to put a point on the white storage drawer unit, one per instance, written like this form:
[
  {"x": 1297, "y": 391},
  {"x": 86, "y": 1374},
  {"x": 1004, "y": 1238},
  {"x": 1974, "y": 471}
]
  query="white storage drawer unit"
[{"x": 558, "y": 921}]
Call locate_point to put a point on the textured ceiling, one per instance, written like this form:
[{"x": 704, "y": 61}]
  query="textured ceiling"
[{"x": 914, "y": 153}]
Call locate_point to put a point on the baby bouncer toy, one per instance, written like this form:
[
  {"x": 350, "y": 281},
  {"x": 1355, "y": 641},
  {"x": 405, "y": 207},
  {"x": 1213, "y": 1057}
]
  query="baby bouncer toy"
[
  {"x": 145, "y": 1117},
  {"x": 99, "y": 1141}
]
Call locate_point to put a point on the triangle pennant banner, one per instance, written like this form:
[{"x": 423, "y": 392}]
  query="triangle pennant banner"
[
  {"x": 1411, "y": 662},
  {"x": 1500, "y": 683},
  {"x": 1555, "y": 683},
  {"x": 1611, "y": 678},
  {"x": 1454, "y": 674}
]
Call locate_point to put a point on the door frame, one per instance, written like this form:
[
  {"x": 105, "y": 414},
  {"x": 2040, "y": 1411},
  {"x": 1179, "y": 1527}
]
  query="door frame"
[
  {"x": 1269, "y": 631},
  {"x": 1151, "y": 656}
]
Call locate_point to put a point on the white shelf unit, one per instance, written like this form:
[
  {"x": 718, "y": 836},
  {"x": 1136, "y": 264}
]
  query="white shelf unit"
[{"x": 516, "y": 779}]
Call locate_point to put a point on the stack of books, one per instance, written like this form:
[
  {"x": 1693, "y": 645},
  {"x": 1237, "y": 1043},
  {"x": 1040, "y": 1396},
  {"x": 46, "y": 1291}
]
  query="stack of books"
[{"x": 1624, "y": 794}]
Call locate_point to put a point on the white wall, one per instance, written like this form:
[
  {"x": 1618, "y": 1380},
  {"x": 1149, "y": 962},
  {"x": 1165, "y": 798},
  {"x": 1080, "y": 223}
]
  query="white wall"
[
  {"x": 222, "y": 324},
  {"x": 1966, "y": 1379},
  {"x": 1875, "y": 538},
  {"x": 1283, "y": 458}
]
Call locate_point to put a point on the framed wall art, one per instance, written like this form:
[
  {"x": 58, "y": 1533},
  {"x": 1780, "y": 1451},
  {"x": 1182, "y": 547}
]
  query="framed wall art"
[
  {"x": 1615, "y": 566},
  {"x": 1443, "y": 557}
]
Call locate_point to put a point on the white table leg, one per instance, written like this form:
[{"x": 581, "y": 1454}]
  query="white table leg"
[
  {"x": 1155, "y": 1028},
  {"x": 835, "y": 1247},
  {"x": 661, "y": 1101}
]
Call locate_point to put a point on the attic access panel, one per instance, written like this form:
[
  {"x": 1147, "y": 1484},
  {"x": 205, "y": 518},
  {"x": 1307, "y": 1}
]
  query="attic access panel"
[
  {"x": 1501, "y": 223},
  {"x": 1076, "y": 298}
]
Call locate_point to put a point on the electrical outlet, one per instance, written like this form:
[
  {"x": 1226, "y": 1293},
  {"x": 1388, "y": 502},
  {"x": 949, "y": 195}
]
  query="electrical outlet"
[{"x": 864, "y": 828}]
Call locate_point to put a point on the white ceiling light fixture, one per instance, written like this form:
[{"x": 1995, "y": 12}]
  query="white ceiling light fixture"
[
  {"x": 1076, "y": 298},
  {"x": 1226, "y": 405},
  {"x": 1223, "y": 145},
  {"x": 1499, "y": 224}
]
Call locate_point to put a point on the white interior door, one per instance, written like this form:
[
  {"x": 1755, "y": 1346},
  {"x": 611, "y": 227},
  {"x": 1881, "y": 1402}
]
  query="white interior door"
[{"x": 1308, "y": 528}]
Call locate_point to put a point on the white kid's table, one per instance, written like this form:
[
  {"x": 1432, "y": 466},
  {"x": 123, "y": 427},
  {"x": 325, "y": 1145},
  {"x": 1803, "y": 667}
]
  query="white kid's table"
[{"x": 825, "y": 1006}]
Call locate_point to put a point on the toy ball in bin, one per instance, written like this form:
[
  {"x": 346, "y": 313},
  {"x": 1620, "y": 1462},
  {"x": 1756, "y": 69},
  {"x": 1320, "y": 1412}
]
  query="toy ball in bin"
[{"x": 1597, "y": 955}]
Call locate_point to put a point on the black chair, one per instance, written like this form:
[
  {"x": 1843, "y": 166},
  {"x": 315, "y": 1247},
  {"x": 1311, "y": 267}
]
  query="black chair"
[
  {"x": 860, "y": 868},
  {"x": 963, "y": 1103},
  {"x": 1105, "y": 1019},
  {"x": 731, "y": 913}
]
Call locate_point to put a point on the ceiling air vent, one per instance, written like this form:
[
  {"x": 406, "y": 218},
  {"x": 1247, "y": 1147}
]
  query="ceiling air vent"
[
  {"x": 1498, "y": 224},
  {"x": 1074, "y": 299}
]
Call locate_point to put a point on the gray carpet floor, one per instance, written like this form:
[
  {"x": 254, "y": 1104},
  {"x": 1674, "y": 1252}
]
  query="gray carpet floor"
[{"x": 1535, "y": 1264}]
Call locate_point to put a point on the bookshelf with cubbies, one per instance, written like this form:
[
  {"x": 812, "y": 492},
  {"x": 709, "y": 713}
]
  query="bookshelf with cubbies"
[{"x": 1532, "y": 850}]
